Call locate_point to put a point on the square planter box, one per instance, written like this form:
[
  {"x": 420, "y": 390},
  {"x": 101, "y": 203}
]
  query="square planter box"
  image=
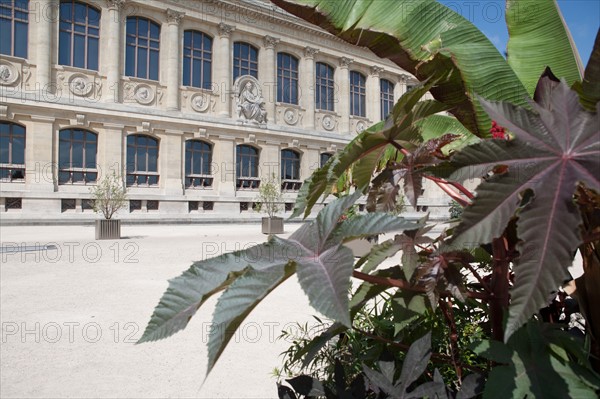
[
  {"x": 108, "y": 229},
  {"x": 272, "y": 225}
]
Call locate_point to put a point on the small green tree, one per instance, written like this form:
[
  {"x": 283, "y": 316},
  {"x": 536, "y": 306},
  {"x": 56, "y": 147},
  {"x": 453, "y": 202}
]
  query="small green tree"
[
  {"x": 269, "y": 197},
  {"x": 109, "y": 195}
]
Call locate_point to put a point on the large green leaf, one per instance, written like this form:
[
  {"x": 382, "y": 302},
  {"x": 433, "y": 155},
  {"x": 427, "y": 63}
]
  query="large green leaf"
[
  {"x": 240, "y": 298},
  {"x": 423, "y": 37},
  {"x": 553, "y": 149},
  {"x": 366, "y": 150},
  {"x": 187, "y": 292},
  {"x": 532, "y": 370},
  {"x": 539, "y": 38},
  {"x": 369, "y": 225}
]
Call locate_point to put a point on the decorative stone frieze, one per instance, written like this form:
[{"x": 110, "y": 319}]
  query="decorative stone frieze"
[
  {"x": 81, "y": 84},
  {"x": 270, "y": 41},
  {"x": 142, "y": 93},
  {"x": 310, "y": 52}
]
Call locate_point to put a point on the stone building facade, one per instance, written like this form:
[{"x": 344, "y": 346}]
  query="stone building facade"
[{"x": 193, "y": 103}]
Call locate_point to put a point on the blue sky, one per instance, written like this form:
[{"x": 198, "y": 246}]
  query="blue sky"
[{"x": 582, "y": 17}]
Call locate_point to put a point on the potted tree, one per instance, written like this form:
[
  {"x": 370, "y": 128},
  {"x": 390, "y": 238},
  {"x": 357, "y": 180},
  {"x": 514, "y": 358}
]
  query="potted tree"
[
  {"x": 109, "y": 195},
  {"x": 268, "y": 201}
]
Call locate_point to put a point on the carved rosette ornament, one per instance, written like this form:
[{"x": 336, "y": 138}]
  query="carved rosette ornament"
[
  {"x": 225, "y": 30},
  {"x": 80, "y": 84},
  {"x": 9, "y": 74}
]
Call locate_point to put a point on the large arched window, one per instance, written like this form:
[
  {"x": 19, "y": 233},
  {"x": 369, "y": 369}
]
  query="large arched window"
[
  {"x": 290, "y": 170},
  {"x": 246, "y": 167},
  {"x": 14, "y": 21},
  {"x": 324, "y": 87},
  {"x": 77, "y": 156},
  {"x": 198, "y": 158},
  {"x": 386, "y": 96},
  {"x": 358, "y": 92},
  {"x": 79, "y": 34},
  {"x": 142, "y": 48},
  {"x": 12, "y": 151},
  {"x": 197, "y": 59},
  {"x": 142, "y": 160},
  {"x": 245, "y": 60},
  {"x": 287, "y": 78}
]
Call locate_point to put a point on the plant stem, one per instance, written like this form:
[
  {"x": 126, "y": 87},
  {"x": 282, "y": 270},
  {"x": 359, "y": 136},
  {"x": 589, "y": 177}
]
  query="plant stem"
[
  {"x": 499, "y": 285},
  {"x": 390, "y": 282},
  {"x": 449, "y": 316}
]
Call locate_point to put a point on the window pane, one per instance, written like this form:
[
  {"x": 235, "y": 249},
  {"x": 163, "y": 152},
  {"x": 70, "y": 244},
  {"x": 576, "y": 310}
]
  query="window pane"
[
  {"x": 196, "y": 74},
  {"x": 154, "y": 31},
  {"x": 93, "y": 17},
  {"x": 18, "y": 150},
  {"x": 92, "y": 61},
  {"x": 77, "y": 155},
  {"x": 79, "y": 51},
  {"x": 141, "y": 159},
  {"x": 154, "y": 65},
  {"x": 5, "y": 36},
  {"x": 20, "y": 39},
  {"x": 142, "y": 63},
  {"x": 153, "y": 159},
  {"x": 90, "y": 155},
  {"x": 131, "y": 26},
  {"x": 207, "y": 77},
  {"x": 64, "y": 52},
  {"x": 130, "y": 158},
  {"x": 142, "y": 30},
  {"x": 4, "y": 158},
  {"x": 65, "y": 11},
  {"x": 130, "y": 61},
  {"x": 64, "y": 156},
  {"x": 186, "y": 71},
  {"x": 80, "y": 13}
]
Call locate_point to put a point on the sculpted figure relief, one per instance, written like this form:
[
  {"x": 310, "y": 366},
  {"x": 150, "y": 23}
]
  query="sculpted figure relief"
[{"x": 251, "y": 104}]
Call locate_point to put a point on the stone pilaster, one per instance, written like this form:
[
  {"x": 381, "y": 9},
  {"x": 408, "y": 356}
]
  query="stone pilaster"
[
  {"x": 374, "y": 94},
  {"x": 45, "y": 21},
  {"x": 173, "y": 58},
  {"x": 41, "y": 165},
  {"x": 267, "y": 75},
  {"x": 307, "y": 86},
  {"x": 343, "y": 95},
  {"x": 111, "y": 49},
  {"x": 400, "y": 86},
  {"x": 223, "y": 68}
]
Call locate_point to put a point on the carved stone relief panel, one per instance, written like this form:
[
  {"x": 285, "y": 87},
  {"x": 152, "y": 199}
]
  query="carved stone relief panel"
[
  {"x": 79, "y": 84},
  {"x": 196, "y": 100},
  {"x": 327, "y": 121},
  {"x": 289, "y": 115},
  {"x": 142, "y": 93}
]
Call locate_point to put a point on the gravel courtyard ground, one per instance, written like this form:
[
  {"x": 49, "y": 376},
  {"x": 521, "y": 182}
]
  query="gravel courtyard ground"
[{"x": 70, "y": 316}]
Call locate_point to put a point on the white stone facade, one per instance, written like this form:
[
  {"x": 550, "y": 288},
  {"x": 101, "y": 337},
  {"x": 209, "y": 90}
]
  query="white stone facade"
[{"x": 45, "y": 98}]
